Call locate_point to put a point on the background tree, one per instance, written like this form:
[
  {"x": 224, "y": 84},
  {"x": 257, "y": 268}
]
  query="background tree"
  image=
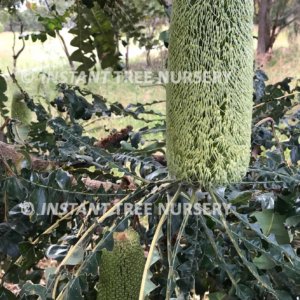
[{"x": 272, "y": 16}]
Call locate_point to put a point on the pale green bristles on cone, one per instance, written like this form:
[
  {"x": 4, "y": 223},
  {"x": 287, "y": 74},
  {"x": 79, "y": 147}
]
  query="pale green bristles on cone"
[
  {"x": 121, "y": 270},
  {"x": 19, "y": 109},
  {"x": 209, "y": 123}
]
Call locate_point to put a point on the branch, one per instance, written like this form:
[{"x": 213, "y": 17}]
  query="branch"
[
  {"x": 16, "y": 55},
  {"x": 66, "y": 50},
  {"x": 61, "y": 38},
  {"x": 15, "y": 81},
  {"x": 4, "y": 124},
  {"x": 282, "y": 21}
]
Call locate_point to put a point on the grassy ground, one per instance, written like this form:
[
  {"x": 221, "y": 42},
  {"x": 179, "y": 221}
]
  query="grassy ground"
[
  {"x": 285, "y": 60},
  {"x": 50, "y": 58}
]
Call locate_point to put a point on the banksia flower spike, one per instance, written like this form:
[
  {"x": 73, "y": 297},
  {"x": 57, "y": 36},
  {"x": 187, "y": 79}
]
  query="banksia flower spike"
[
  {"x": 209, "y": 120},
  {"x": 121, "y": 270}
]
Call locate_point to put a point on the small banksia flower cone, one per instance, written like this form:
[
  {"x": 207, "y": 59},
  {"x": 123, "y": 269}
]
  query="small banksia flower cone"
[
  {"x": 19, "y": 109},
  {"x": 121, "y": 270},
  {"x": 209, "y": 119}
]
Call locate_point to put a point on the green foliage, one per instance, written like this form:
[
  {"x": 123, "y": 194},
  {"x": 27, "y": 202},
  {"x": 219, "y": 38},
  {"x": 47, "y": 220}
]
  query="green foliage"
[
  {"x": 249, "y": 253},
  {"x": 3, "y": 97},
  {"x": 145, "y": 16},
  {"x": 99, "y": 28},
  {"x": 93, "y": 31},
  {"x": 101, "y": 25}
]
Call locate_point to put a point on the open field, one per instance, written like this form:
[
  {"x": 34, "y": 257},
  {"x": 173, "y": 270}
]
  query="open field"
[
  {"x": 286, "y": 59},
  {"x": 50, "y": 58}
]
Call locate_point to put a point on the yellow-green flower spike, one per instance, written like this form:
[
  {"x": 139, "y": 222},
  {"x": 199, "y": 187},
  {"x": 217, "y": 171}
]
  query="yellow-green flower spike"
[
  {"x": 209, "y": 119},
  {"x": 19, "y": 109},
  {"x": 121, "y": 270}
]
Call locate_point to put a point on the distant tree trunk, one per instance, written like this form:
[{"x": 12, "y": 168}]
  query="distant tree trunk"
[
  {"x": 65, "y": 48},
  {"x": 127, "y": 54},
  {"x": 71, "y": 64},
  {"x": 148, "y": 58},
  {"x": 16, "y": 54},
  {"x": 265, "y": 42}
]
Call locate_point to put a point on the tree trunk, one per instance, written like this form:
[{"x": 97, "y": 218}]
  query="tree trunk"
[
  {"x": 264, "y": 31},
  {"x": 71, "y": 63},
  {"x": 127, "y": 54},
  {"x": 148, "y": 58}
]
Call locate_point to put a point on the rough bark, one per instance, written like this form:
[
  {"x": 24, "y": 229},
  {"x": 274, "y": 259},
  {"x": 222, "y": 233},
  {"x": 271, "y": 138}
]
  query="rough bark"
[{"x": 264, "y": 31}]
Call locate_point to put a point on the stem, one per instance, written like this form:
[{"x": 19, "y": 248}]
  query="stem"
[
  {"x": 169, "y": 237},
  {"x": 71, "y": 63},
  {"x": 17, "y": 54},
  {"x": 215, "y": 248},
  {"x": 174, "y": 254},
  {"x": 66, "y": 50},
  {"x": 102, "y": 241},
  {"x": 154, "y": 241},
  {"x": 55, "y": 286},
  {"x": 91, "y": 229},
  {"x": 239, "y": 252},
  {"x": 51, "y": 228}
]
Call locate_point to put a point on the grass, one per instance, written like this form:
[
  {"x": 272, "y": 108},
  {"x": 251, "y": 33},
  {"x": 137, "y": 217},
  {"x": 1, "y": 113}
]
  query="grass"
[
  {"x": 50, "y": 58},
  {"x": 285, "y": 60}
]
